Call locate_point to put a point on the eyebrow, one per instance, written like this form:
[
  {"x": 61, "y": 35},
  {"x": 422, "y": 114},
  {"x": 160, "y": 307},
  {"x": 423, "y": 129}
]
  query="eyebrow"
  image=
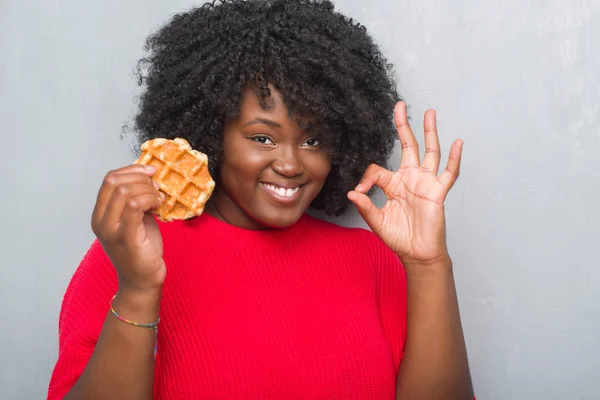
[{"x": 263, "y": 121}]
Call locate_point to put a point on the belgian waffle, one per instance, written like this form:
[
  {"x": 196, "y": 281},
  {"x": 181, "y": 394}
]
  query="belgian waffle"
[{"x": 182, "y": 175}]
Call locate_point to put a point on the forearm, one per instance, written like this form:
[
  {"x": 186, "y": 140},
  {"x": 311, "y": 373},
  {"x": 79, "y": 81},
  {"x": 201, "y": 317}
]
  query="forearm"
[
  {"x": 122, "y": 364},
  {"x": 435, "y": 364}
]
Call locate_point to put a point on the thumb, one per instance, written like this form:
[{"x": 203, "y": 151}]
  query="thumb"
[{"x": 367, "y": 210}]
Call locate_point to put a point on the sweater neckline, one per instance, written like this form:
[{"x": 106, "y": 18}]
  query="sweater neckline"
[{"x": 217, "y": 225}]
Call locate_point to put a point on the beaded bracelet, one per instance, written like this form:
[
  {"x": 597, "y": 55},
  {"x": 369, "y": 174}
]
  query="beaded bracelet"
[{"x": 153, "y": 326}]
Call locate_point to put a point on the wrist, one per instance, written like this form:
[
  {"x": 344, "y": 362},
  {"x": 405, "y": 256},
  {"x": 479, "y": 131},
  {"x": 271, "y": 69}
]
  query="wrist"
[
  {"x": 436, "y": 267},
  {"x": 138, "y": 302},
  {"x": 137, "y": 290}
]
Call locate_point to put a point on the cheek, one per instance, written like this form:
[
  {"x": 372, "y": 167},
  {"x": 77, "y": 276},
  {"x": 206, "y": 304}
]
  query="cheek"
[
  {"x": 240, "y": 173},
  {"x": 320, "y": 167},
  {"x": 240, "y": 162}
]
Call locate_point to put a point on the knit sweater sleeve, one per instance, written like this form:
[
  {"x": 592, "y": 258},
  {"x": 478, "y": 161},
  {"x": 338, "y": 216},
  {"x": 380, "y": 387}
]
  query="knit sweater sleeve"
[
  {"x": 391, "y": 296},
  {"x": 83, "y": 311}
]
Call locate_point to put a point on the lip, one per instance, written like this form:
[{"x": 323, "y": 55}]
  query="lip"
[
  {"x": 285, "y": 185},
  {"x": 283, "y": 199}
]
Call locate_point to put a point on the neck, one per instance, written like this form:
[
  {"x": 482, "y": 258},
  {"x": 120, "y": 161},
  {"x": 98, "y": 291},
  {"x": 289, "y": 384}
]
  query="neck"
[{"x": 225, "y": 209}]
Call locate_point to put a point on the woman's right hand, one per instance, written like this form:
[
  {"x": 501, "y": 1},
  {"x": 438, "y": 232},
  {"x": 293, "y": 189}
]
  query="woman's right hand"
[{"x": 123, "y": 222}]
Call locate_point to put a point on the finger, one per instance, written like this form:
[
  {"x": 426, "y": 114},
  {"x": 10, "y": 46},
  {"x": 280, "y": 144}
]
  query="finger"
[
  {"x": 431, "y": 160},
  {"x": 121, "y": 194},
  {"x": 410, "y": 147},
  {"x": 450, "y": 174},
  {"x": 111, "y": 180},
  {"x": 374, "y": 175},
  {"x": 368, "y": 211},
  {"x": 133, "y": 214},
  {"x": 135, "y": 168}
]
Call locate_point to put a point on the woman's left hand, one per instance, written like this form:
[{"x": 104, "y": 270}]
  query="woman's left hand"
[{"x": 412, "y": 221}]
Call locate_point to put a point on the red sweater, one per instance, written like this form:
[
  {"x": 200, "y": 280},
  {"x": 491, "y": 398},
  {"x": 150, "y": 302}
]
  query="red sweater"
[{"x": 313, "y": 311}]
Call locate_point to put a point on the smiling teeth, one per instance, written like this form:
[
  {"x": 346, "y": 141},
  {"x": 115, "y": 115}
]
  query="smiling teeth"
[{"x": 282, "y": 191}]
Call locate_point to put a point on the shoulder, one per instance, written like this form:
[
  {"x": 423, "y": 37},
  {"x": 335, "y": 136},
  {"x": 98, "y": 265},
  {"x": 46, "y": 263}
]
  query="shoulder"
[
  {"x": 94, "y": 268},
  {"x": 327, "y": 228},
  {"x": 94, "y": 277}
]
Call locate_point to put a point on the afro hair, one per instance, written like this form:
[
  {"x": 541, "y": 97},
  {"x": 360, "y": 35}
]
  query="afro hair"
[{"x": 324, "y": 64}]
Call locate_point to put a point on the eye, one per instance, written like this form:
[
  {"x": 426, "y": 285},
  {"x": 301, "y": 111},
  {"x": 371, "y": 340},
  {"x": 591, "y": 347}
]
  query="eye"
[
  {"x": 261, "y": 139},
  {"x": 312, "y": 142}
]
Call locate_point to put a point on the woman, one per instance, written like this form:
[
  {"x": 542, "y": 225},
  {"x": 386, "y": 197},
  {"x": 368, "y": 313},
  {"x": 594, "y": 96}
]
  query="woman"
[{"x": 256, "y": 299}]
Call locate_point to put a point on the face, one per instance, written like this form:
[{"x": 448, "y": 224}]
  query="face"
[{"x": 271, "y": 169}]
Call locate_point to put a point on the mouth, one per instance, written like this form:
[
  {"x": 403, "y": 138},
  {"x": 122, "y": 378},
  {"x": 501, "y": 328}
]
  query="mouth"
[{"x": 282, "y": 194}]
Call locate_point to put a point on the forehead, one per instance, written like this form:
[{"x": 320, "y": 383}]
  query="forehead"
[{"x": 276, "y": 110}]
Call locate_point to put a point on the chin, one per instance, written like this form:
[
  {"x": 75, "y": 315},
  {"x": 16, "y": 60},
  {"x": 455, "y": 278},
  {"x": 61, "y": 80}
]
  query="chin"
[{"x": 279, "y": 218}]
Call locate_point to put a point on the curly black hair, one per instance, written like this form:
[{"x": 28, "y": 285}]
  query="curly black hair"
[{"x": 324, "y": 64}]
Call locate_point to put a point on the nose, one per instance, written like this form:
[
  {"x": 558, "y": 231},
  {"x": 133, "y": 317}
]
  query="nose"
[{"x": 287, "y": 162}]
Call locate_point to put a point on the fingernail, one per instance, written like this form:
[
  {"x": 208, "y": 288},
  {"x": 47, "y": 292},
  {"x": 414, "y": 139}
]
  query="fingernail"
[
  {"x": 358, "y": 187},
  {"x": 155, "y": 184},
  {"x": 150, "y": 168}
]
